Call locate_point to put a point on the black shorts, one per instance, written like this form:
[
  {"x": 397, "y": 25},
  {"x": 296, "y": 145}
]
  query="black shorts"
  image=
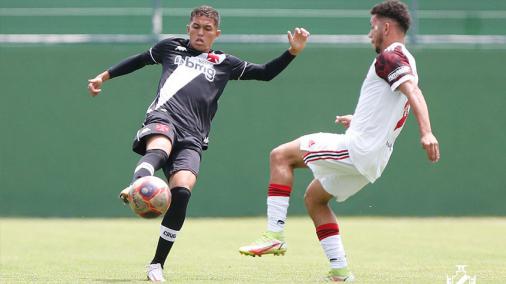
[{"x": 186, "y": 150}]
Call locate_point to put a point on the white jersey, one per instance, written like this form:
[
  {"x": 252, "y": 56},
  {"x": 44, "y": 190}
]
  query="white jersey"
[{"x": 381, "y": 111}]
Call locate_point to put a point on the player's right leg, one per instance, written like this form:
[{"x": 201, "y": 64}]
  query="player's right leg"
[
  {"x": 283, "y": 160},
  {"x": 154, "y": 143}
]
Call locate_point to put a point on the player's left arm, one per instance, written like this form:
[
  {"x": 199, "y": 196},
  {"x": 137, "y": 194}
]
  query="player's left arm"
[
  {"x": 417, "y": 102},
  {"x": 345, "y": 120},
  {"x": 297, "y": 40},
  {"x": 269, "y": 70}
]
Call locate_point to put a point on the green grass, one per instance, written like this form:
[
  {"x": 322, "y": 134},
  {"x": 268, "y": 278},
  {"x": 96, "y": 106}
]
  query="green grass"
[{"x": 380, "y": 250}]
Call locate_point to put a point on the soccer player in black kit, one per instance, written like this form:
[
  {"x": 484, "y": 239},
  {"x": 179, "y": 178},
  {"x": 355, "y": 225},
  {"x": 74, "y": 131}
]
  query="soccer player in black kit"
[{"x": 177, "y": 123}]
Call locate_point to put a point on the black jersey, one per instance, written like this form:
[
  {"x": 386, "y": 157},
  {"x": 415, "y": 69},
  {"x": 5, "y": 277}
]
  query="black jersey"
[{"x": 192, "y": 81}]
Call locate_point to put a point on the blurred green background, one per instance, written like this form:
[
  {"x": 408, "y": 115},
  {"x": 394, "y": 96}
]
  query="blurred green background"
[{"x": 66, "y": 154}]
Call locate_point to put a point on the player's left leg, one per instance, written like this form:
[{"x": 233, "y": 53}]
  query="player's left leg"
[
  {"x": 283, "y": 160},
  {"x": 182, "y": 171},
  {"x": 181, "y": 184},
  {"x": 317, "y": 200}
]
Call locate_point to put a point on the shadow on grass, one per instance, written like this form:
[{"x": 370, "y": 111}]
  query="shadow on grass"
[{"x": 117, "y": 280}]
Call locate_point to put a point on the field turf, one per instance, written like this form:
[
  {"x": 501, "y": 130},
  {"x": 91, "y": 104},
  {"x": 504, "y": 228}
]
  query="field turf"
[{"x": 380, "y": 250}]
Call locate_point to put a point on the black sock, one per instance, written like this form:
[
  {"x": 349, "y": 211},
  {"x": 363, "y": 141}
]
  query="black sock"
[
  {"x": 152, "y": 161},
  {"x": 172, "y": 223}
]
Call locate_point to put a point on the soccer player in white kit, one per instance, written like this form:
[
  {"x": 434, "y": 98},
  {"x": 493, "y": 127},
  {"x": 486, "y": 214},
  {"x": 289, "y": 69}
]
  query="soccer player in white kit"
[{"x": 342, "y": 164}]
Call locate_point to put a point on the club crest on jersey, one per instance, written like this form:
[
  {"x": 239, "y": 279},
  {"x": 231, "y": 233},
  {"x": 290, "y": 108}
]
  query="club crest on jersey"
[
  {"x": 310, "y": 143},
  {"x": 199, "y": 64},
  {"x": 215, "y": 58}
]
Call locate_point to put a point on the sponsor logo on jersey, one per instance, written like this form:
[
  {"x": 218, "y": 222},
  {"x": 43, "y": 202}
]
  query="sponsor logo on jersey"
[
  {"x": 199, "y": 64},
  {"x": 181, "y": 48},
  {"x": 398, "y": 72}
]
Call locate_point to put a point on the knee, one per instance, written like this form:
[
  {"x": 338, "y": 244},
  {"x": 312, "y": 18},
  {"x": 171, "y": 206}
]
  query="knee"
[
  {"x": 308, "y": 200},
  {"x": 180, "y": 193},
  {"x": 311, "y": 201},
  {"x": 277, "y": 156}
]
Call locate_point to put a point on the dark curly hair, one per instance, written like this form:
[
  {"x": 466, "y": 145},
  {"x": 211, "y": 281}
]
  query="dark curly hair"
[
  {"x": 395, "y": 10},
  {"x": 207, "y": 11}
]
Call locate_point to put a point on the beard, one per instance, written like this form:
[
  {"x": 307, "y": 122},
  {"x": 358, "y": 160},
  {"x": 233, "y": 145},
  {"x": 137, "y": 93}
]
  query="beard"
[{"x": 377, "y": 44}]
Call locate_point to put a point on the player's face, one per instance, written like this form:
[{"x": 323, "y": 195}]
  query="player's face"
[
  {"x": 376, "y": 33},
  {"x": 202, "y": 31}
]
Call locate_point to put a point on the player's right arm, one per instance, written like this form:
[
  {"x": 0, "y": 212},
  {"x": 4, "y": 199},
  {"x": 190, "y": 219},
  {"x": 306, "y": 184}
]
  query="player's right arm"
[
  {"x": 129, "y": 65},
  {"x": 126, "y": 66},
  {"x": 95, "y": 84}
]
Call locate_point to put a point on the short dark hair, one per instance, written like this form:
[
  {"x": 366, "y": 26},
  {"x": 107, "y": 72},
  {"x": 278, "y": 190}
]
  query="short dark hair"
[
  {"x": 395, "y": 10},
  {"x": 207, "y": 11}
]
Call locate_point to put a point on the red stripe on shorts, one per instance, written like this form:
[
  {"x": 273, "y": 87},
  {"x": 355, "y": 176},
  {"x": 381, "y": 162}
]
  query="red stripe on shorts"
[
  {"x": 326, "y": 158},
  {"x": 324, "y": 151}
]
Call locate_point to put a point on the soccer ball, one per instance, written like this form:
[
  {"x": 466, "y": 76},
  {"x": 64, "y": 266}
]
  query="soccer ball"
[{"x": 149, "y": 197}]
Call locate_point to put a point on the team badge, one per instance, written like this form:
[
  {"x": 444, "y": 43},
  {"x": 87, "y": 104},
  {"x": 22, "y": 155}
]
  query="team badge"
[
  {"x": 310, "y": 143},
  {"x": 162, "y": 128},
  {"x": 213, "y": 58}
]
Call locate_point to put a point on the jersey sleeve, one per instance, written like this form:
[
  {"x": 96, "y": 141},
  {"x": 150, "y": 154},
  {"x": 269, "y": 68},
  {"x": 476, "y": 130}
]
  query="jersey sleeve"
[
  {"x": 156, "y": 53},
  {"x": 394, "y": 68},
  {"x": 152, "y": 56},
  {"x": 238, "y": 66},
  {"x": 243, "y": 70}
]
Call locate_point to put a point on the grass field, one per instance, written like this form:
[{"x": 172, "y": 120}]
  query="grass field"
[{"x": 380, "y": 250}]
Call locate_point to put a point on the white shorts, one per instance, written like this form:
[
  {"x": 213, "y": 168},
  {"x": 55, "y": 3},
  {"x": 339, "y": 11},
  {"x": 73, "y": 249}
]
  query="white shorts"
[{"x": 327, "y": 156}]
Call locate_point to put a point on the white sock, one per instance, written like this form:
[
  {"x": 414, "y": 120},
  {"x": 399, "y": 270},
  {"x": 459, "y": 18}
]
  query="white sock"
[
  {"x": 334, "y": 250},
  {"x": 278, "y": 200},
  {"x": 277, "y": 208},
  {"x": 330, "y": 240}
]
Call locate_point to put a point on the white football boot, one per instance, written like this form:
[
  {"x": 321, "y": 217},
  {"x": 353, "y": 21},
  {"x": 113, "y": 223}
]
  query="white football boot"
[
  {"x": 155, "y": 273},
  {"x": 268, "y": 243}
]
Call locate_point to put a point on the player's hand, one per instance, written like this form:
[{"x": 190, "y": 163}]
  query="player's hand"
[
  {"x": 345, "y": 120},
  {"x": 297, "y": 40},
  {"x": 94, "y": 86},
  {"x": 431, "y": 146}
]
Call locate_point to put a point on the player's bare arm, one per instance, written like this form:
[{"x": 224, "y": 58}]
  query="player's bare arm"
[
  {"x": 297, "y": 40},
  {"x": 421, "y": 112},
  {"x": 345, "y": 120},
  {"x": 95, "y": 84}
]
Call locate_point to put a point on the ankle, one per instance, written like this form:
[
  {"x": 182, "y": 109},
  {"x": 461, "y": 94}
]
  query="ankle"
[{"x": 276, "y": 235}]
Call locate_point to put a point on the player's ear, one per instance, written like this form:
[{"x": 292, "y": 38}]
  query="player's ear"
[
  {"x": 386, "y": 27},
  {"x": 218, "y": 33},
  {"x": 188, "y": 29}
]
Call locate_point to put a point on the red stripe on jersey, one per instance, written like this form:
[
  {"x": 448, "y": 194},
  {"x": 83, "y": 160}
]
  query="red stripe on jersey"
[
  {"x": 279, "y": 190},
  {"x": 316, "y": 152},
  {"x": 401, "y": 121},
  {"x": 327, "y": 230}
]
